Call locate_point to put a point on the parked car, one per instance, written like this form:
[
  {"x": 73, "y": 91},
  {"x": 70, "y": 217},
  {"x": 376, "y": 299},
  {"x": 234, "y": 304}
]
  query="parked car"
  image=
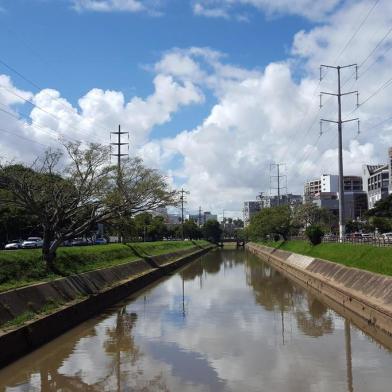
[
  {"x": 80, "y": 242},
  {"x": 32, "y": 243},
  {"x": 100, "y": 241},
  {"x": 14, "y": 244}
]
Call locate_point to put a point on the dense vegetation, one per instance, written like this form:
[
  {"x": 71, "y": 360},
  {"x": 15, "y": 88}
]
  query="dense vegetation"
[{"x": 285, "y": 221}]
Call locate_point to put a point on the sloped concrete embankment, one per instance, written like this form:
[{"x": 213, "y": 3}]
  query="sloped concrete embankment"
[
  {"x": 365, "y": 294},
  {"x": 77, "y": 298}
]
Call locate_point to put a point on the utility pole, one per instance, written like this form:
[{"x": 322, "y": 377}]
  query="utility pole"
[
  {"x": 119, "y": 143},
  {"x": 182, "y": 198},
  {"x": 120, "y": 154},
  {"x": 199, "y": 220},
  {"x": 339, "y": 122},
  {"x": 278, "y": 176}
]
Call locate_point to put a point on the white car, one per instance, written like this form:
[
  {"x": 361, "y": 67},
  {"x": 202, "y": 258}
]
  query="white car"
[
  {"x": 16, "y": 244},
  {"x": 32, "y": 242}
]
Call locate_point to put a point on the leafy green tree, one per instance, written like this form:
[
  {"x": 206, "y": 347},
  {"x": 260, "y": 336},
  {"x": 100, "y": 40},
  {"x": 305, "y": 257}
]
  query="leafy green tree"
[
  {"x": 275, "y": 221},
  {"x": 382, "y": 209},
  {"x": 191, "y": 230},
  {"x": 71, "y": 196},
  {"x": 212, "y": 231},
  {"x": 315, "y": 234},
  {"x": 17, "y": 223},
  {"x": 308, "y": 214},
  {"x": 157, "y": 228}
]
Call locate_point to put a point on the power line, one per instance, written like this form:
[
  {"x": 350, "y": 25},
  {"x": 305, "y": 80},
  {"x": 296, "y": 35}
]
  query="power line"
[
  {"x": 376, "y": 47},
  {"x": 28, "y": 80},
  {"x": 20, "y": 75},
  {"x": 382, "y": 87},
  {"x": 57, "y": 134},
  {"x": 346, "y": 45},
  {"x": 36, "y": 106},
  {"x": 357, "y": 30},
  {"x": 22, "y": 137}
]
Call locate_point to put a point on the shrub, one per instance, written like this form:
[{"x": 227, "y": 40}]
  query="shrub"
[{"x": 314, "y": 234}]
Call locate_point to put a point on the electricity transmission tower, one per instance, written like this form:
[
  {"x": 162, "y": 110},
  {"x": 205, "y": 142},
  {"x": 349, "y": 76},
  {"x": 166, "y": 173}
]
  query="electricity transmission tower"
[
  {"x": 276, "y": 180},
  {"x": 339, "y": 122},
  {"x": 119, "y": 153}
]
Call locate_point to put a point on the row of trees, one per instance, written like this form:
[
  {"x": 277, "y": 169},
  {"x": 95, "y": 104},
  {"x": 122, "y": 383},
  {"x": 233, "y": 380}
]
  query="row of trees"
[
  {"x": 285, "y": 221},
  {"x": 146, "y": 227}
]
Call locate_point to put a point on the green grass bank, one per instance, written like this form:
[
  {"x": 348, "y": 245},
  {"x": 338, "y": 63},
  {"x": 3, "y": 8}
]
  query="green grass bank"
[
  {"x": 366, "y": 257},
  {"x": 23, "y": 267}
]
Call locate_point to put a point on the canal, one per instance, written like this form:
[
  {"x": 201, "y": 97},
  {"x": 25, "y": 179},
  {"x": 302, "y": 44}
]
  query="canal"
[{"x": 225, "y": 322}]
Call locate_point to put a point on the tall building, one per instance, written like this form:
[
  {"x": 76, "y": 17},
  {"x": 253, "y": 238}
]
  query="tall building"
[
  {"x": 250, "y": 209},
  {"x": 324, "y": 192},
  {"x": 376, "y": 182},
  {"x": 203, "y": 217},
  {"x": 328, "y": 183},
  {"x": 267, "y": 201}
]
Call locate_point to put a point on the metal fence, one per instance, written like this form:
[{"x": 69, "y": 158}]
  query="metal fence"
[{"x": 375, "y": 241}]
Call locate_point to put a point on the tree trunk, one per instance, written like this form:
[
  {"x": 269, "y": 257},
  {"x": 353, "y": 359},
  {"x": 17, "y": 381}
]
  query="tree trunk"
[{"x": 49, "y": 254}]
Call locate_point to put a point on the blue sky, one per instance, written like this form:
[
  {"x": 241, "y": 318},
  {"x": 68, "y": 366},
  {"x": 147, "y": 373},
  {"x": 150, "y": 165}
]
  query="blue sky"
[
  {"x": 212, "y": 91},
  {"x": 74, "y": 52}
]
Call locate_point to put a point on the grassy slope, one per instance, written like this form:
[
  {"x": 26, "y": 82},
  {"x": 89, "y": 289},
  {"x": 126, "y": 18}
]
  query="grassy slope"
[
  {"x": 22, "y": 267},
  {"x": 365, "y": 257}
]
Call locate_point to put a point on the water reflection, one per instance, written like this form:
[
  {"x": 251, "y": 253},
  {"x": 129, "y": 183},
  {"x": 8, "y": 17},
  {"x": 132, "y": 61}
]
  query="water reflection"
[{"x": 225, "y": 322}]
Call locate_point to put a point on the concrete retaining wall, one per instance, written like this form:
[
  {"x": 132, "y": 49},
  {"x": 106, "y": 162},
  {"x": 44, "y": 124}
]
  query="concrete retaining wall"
[
  {"x": 367, "y": 295},
  {"x": 82, "y": 295}
]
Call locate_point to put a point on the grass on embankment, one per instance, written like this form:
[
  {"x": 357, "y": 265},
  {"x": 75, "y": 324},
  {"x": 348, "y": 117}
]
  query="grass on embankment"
[
  {"x": 22, "y": 267},
  {"x": 367, "y": 257}
]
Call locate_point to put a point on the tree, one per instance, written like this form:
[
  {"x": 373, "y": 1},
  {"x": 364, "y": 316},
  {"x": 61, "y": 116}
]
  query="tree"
[
  {"x": 70, "y": 198},
  {"x": 382, "y": 209},
  {"x": 16, "y": 223},
  {"x": 212, "y": 231},
  {"x": 315, "y": 234},
  {"x": 308, "y": 214},
  {"x": 191, "y": 230},
  {"x": 270, "y": 222}
]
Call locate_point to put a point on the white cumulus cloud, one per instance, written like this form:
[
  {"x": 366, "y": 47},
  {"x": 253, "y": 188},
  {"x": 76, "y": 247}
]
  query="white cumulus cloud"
[{"x": 114, "y": 5}]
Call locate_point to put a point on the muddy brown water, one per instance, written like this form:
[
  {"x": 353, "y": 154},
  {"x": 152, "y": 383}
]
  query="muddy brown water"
[{"x": 225, "y": 322}]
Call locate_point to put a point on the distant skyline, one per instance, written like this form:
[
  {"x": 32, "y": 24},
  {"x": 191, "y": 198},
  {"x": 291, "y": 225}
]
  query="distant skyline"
[{"x": 211, "y": 91}]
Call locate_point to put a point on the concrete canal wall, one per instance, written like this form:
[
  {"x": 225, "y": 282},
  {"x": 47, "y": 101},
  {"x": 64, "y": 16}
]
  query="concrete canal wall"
[
  {"x": 77, "y": 298},
  {"x": 365, "y": 294}
]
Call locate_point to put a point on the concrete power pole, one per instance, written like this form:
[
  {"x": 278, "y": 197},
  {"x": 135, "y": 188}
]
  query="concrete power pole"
[
  {"x": 119, "y": 143},
  {"x": 182, "y": 198},
  {"x": 119, "y": 154},
  {"x": 199, "y": 217},
  {"x": 339, "y": 122},
  {"x": 278, "y": 177}
]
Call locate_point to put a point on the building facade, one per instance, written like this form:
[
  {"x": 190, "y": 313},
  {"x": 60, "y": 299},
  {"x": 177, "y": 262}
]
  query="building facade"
[
  {"x": 376, "y": 182},
  {"x": 324, "y": 192},
  {"x": 251, "y": 208},
  {"x": 328, "y": 183},
  {"x": 202, "y": 218}
]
